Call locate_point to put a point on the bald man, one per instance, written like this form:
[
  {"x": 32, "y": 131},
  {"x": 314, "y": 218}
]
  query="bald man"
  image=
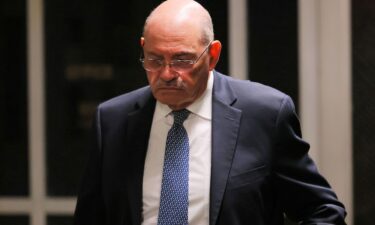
[{"x": 236, "y": 157}]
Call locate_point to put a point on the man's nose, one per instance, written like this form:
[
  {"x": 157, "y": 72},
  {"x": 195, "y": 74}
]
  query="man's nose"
[{"x": 167, "y": 73}]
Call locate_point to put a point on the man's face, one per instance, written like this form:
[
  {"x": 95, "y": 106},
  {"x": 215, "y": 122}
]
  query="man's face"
[{"x": 176, "y": 89}]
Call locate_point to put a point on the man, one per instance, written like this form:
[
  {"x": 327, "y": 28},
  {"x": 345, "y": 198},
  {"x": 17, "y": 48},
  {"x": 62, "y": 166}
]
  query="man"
[{"x": 236, "y": 157}]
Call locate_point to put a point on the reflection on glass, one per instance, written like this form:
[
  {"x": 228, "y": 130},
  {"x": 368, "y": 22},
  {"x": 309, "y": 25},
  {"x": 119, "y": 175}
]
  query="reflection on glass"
[{"x": 91, "y": 55}]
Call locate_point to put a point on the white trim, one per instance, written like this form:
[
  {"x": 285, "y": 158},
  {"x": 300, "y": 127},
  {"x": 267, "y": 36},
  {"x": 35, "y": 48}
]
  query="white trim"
[
  {"x": 15, "y": 206},
  {"x": 60, "y": 206},
  {"x": 238, "y": 57},
  {"x": 36, "y": 110},
  {"x": 309, "y": 71},
  {"x": 325, "y": 90},
  {"x": 24, "y": 206}
]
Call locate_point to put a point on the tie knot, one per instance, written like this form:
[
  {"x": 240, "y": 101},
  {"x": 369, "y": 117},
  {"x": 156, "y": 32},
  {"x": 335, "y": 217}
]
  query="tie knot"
[{"x": 180, "y": 116}]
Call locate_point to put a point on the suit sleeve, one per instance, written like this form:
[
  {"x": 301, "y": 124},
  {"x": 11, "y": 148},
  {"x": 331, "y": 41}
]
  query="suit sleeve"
[
  {"x": 90, "y": 207},
  {"x": 305, "y": 195}
]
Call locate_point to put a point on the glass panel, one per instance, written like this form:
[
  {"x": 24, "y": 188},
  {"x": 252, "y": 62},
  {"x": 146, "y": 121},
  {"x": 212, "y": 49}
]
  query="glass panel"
[
  {"x": 13, "y": 89},
  {"x": 273, "y": 44},
  {"x": 59, "y": 220},
  {"x": 363, "y": 35},
  {"x": 14, "y": 220},
  {"x": 92, "y": 53},
  {"x": 219, "y": 12}
]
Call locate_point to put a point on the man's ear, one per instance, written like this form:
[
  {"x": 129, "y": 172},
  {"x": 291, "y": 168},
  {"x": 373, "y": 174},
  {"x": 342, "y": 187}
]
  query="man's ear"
[
  {"x": 214, "y": 51},
  {"x": 142, "y": 41}
]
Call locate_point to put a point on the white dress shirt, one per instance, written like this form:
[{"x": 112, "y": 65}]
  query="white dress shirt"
[{"x": 198, "y": 127}]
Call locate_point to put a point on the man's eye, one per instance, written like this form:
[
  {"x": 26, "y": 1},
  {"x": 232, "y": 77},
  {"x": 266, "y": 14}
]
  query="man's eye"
[
  {"x": 182, "y": 63},
  {"x": 155, "y": 61}
]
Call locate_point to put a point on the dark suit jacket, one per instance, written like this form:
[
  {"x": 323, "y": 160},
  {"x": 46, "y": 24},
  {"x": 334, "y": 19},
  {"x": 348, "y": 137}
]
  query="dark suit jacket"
[{"x": 260, "y": 167}]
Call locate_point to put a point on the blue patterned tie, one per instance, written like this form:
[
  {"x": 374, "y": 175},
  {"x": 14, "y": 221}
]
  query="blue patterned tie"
[{"x": 174, "y": 199}]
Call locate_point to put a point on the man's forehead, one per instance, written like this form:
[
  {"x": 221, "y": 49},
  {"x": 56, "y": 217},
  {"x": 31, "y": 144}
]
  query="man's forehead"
[
  {"x": 173, "y": 36},
  {"x": 176, "y": 14}
]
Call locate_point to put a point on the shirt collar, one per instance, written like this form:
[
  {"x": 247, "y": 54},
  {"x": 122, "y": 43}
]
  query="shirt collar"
[{"x": 201, "y": 107}]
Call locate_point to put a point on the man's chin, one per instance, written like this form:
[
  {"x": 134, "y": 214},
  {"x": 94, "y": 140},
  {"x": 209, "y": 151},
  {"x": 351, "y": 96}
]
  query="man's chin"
[
  {"x": 173, "y": 101},
  {"x": 169, "y": 93}
]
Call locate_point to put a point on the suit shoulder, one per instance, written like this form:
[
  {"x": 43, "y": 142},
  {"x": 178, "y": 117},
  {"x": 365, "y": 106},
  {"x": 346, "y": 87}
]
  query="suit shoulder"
[
  {"x": 126, "y": 101},
  {"x": 257, "y": 99},
  {"x": 257, "y": 92}
]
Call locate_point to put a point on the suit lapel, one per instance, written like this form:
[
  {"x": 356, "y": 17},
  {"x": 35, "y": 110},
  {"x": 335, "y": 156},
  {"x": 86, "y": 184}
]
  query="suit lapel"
[
  {"x": 138, "y": 132},
  {"x": 225, "y": 125}
]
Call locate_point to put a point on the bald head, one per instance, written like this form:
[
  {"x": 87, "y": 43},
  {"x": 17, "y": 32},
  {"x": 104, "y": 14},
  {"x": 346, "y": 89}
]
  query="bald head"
[{"x": 173, "y": 15}]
